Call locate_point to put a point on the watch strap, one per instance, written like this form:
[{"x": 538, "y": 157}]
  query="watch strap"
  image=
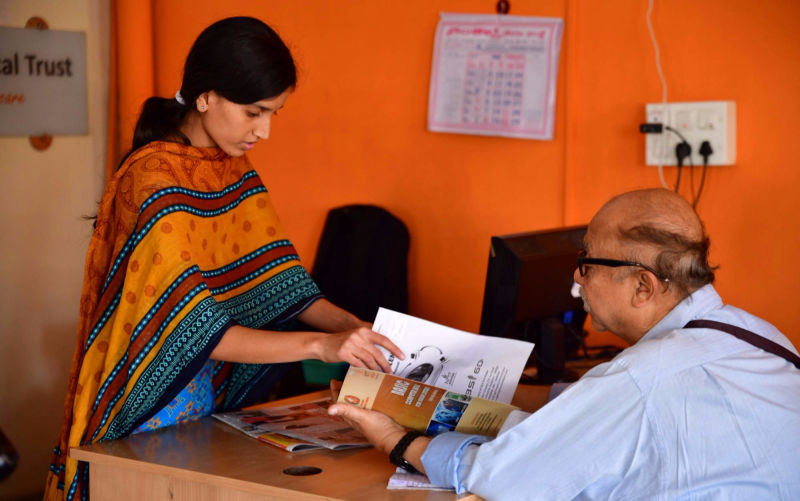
[{"x": 396, "y": 456}]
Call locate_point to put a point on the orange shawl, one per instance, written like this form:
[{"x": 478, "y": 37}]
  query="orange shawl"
[{"x": 186, "y": 244}]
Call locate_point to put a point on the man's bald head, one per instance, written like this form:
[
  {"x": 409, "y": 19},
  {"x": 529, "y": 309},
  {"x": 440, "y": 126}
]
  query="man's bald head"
[
  {"x": 658, "y": 226},
  {"x": 658, "y": 208}
]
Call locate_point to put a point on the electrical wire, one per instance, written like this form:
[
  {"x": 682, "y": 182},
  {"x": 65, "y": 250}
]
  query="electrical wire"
[
  {"x": 696, "y": 196},
  {"x": 657, "y": 51},
  {"x": 695, "y": 200},
  {"x": 691, "y": 173},
  {"x": 677, "y": 133},
  {"x": 663, "y": 85},
  {"x": 705, "y": 152}
]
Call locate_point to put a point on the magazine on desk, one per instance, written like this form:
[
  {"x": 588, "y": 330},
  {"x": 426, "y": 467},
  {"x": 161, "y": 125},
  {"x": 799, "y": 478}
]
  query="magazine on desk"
[{"x": 296, "y": 427}]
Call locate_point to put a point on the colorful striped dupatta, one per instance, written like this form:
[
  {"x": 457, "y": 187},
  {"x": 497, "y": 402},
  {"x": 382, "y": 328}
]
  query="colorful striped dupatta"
[{"x": 186, "y": 244}]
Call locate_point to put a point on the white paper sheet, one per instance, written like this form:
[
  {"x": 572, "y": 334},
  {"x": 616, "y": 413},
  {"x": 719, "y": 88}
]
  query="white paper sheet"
[{"x": 478, "y": 366}]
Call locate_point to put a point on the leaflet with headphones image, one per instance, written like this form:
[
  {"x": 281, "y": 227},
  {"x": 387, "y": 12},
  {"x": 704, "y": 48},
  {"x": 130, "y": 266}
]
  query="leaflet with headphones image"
[
  {"x": 458, "y": 361},
  {"x": 421, "y": 365}
]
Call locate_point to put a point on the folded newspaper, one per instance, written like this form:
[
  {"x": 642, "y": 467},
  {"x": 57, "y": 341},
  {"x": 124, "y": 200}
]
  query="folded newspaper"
[{"x": 296, "y": 427}]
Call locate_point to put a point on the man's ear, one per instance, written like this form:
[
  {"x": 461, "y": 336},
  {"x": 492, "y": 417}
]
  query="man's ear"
[{"x": 646, "y": 288}]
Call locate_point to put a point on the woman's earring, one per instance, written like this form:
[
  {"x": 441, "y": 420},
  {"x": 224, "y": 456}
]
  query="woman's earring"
[{"x": 202, "y": 107}]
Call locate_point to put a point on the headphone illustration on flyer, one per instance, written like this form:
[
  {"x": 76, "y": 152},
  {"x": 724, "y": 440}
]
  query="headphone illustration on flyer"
[{"x": 421, "y": 365}]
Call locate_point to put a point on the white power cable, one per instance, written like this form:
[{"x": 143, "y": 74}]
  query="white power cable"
[{"x": 663, "y": 89}]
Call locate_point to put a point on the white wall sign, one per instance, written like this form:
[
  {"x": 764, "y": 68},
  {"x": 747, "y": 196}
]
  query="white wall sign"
[
  {"x": 42, "y": 82},
  {"x": 495, "y": 75}
]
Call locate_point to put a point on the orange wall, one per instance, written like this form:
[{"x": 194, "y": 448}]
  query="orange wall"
[
  {"x": 355, "y": 132},
  {"x": 748, "y": 52}
]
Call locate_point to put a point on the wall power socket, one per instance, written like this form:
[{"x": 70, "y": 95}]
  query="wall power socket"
[{"x": 712, "y": 121}]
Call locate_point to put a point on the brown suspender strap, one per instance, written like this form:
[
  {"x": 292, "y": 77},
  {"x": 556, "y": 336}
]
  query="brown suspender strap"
[{"x": 751, "y": 337}]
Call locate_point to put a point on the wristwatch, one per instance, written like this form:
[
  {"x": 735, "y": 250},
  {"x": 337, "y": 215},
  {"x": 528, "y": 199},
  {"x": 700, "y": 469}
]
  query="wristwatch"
[{"x": 396, "y": 456}]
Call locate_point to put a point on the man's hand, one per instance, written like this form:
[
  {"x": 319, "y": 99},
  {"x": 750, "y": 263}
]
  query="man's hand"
[
  {"x": 357, "y": 347},
  {"x": 381, "y": 430}
]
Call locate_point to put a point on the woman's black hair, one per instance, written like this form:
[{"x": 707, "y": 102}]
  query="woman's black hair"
[{"x": 240, "y": 58}]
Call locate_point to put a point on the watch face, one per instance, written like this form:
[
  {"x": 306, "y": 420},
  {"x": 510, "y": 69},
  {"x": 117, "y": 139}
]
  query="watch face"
[{"x": 402, "y": 463}]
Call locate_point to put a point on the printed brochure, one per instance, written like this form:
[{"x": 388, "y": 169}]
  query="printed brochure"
[{"x": 423, "y": 407}]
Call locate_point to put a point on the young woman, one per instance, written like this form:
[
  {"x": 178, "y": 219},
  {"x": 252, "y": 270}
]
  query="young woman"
[{"x": 191, "y": 286}]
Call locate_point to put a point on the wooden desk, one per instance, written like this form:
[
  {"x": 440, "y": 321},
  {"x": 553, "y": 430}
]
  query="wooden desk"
[{"x": 209, "y": 460}]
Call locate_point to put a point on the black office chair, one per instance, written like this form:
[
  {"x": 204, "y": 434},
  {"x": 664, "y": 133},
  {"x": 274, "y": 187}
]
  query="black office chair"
[{"x": 362, "y": 260}]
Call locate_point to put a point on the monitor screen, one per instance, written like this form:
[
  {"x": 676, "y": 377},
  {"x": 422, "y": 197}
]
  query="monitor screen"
[{"x": 528, "y": 296}]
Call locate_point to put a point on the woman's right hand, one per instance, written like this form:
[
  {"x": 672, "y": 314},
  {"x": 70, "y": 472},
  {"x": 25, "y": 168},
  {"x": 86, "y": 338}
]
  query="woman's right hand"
[{"x": 357, "y": 347}]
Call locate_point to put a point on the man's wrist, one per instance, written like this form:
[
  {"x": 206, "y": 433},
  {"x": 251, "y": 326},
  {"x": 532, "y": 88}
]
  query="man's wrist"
[
  {"x": 390, "y": 441},
  {"x": 396, "y": 456}
]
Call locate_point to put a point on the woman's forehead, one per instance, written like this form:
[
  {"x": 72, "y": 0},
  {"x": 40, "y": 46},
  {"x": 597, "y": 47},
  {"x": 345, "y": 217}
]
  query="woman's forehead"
[{"x": 274, "y": 102}]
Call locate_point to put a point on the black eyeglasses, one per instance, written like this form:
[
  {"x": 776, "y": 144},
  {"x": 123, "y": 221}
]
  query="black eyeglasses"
[{"x": 614, "y": 263}]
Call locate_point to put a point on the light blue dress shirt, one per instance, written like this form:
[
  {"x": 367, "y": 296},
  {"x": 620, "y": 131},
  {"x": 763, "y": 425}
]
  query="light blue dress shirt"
[{"x": 682, "y": 414}]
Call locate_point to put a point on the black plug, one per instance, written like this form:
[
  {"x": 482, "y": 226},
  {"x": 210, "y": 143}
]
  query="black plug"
[
  {"x": 683, "y": 150},
  {"x": 651, "y": 128},
  {"x": 705, "y": 151}
]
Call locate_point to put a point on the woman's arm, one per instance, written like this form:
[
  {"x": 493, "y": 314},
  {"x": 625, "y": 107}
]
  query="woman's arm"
[
  {"x": 354, "y": 346},
  {"x": 326, "y": 316}
]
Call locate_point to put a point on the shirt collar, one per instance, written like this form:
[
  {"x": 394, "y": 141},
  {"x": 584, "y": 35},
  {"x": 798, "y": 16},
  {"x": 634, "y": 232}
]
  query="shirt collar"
[{"x": 693, "y": 307}]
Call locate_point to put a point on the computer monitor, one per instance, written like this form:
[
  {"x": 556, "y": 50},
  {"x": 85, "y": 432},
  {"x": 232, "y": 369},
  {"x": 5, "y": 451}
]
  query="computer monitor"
[{"x": 527, "y": 296}]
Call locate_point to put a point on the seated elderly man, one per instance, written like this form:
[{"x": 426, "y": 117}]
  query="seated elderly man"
[{"x": 689, "y": 411}]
